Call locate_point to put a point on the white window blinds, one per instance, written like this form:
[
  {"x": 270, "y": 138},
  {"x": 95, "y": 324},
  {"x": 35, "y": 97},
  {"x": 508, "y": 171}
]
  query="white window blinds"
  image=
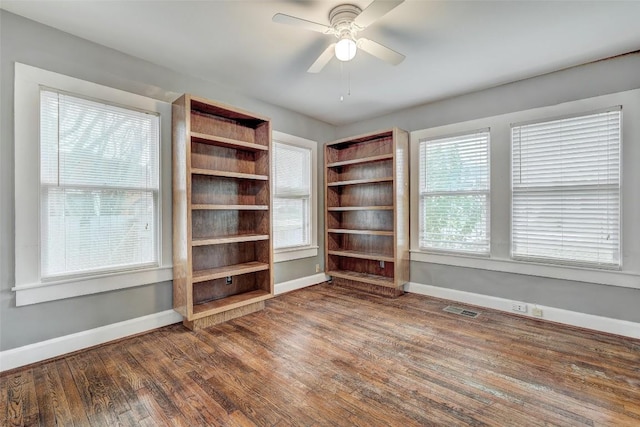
[
  {"x": 454, "y": 193},
  {"x": 99, "y": 186},
  {"x": 566, "y": 190},
  {"x": 291, "y": 201}
]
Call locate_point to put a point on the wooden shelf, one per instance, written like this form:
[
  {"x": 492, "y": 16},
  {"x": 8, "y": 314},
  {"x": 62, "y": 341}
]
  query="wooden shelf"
[
  {"x": 204, "y": 207},
  {"x": 229, "y": 239},
  {"x": 372, "y": 279},
  {"x": 221, "y": 211},
  {"x": 362, "y": 160},
  {"x": 228, "y": 270},
  {"x": 228, "y": 174},
  {"x": 360, "y": 181},
  {"x": 366, "y": 226},
  {"x": 363, "y": 255},
  {"x": 226, "y": 142},
  {"x": 368, "y": 232},
  {"x": 359, "y": 208},
  {"x": 229, "y": 303}
]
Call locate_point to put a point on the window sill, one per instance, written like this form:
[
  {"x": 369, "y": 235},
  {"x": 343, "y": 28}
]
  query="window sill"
[
  {"x": 579, "y": 274},
  {"x": 69, "y": 288},
  {"x": 283, "y": 255}
]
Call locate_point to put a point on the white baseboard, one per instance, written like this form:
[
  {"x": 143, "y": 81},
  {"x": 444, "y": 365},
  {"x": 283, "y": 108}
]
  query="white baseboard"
[
  {"x": 303, "y": 282},
  {"x": 574, "y": 318},
  {"x": 32, "y": 353}
]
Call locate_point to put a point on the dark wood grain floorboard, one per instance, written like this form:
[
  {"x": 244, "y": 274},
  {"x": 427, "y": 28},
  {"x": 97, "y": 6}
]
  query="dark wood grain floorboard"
[
  {"x": 125, "y": 379},
  {"x": 15, "y": 401},
  {"x": 52, "y": 403},
  {"x": 100, "y": 397},
  {"x": 331, "y": 356},
  {"x": 70, "y": 390}
]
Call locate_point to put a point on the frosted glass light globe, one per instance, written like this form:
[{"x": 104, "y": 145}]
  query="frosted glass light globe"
[{"x": 345, "y": 49}]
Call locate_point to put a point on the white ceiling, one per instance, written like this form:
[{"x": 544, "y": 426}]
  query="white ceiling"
[{"x": 452, "y": 47}]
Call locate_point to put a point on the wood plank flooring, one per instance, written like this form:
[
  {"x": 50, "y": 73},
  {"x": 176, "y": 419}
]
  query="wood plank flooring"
[{"x": 328, "y": 356}]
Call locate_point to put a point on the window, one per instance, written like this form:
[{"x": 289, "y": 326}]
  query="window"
[
  {"x": 454, "y": 193},
  {"x": 98, "y": 186},
  {"x": 565, "y": 211},
  {"x": 292, "y": 196},
  {"x": 294, "y": 200},
  {"x": 566, "y": 190},
  {"x": 91, "y": 163}
]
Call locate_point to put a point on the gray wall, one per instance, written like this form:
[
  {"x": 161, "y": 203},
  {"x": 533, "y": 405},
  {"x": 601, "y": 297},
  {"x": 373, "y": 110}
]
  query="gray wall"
[
  {"x": 600, "y": 78},
  {"x": 28, "y": 42}
]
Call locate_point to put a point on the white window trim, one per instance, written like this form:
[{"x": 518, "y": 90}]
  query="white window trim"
[
  {"x": 311, "y": 250},
  {"x": 29, "y": 287},
  {"x": 564, "y": 261},
  {"x": 487, "y": 193},
  {"x": 499, "y": 259}
]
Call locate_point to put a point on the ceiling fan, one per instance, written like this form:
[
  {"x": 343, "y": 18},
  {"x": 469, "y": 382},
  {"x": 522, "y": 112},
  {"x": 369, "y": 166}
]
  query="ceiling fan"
[{"x": 346, "y": 20}]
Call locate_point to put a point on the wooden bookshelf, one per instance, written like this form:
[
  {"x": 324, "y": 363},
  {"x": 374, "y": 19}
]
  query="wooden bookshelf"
[
  {"x": 367, "y": 211},
  {"x": 222, "y": 245}
]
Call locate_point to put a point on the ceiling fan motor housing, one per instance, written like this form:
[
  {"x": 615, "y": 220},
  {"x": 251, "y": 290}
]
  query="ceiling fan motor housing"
[{"x": 341, "y": 18}]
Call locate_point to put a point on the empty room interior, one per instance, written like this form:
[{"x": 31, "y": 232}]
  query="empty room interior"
[{"x": 319, "y": 213}]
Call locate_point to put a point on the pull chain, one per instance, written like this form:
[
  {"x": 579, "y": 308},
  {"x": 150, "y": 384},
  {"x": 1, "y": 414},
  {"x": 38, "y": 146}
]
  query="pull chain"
[{"x": 342, "y": 81}]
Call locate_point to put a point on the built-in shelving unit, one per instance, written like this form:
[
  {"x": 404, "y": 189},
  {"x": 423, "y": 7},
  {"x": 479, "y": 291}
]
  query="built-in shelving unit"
[
  {"x": 367, "y": 211},
  {"x": 222, "y": 247}
]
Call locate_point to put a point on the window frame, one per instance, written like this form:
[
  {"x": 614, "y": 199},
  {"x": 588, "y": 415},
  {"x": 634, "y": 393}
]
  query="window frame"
[
  {"x": 30, "y": 287},
  {"x": 310, "y": 250},
  {"x": 486, "y": 193},
  {"x": 500, "y": 258},
  {"x": 155, "y": 192},
  {"x": 561, "y": 188}
]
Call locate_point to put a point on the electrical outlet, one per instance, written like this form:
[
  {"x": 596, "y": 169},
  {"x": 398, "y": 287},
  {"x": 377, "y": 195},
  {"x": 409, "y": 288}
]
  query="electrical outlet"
[
  {"x": 317, "y": 268},
  {"x": 519, "y": 307},
  {"x": 536, "y": 311}
]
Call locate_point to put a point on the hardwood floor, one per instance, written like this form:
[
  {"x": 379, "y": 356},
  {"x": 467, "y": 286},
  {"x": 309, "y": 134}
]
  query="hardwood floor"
[{"x": 331, "y": 356}]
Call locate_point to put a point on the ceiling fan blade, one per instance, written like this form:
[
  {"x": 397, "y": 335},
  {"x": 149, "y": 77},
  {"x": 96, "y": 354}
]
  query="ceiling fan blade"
[
  {"x": 323, "y": 59},
  {"x": 379, "y": 51},
  {"x": 281, "y": 18},
  {"x": 376, "y": 10}
]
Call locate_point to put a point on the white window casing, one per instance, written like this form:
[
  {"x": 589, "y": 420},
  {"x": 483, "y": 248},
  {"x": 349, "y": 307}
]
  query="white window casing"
[
  {"x": 566, "y": 190},
  {"x": 294, "y": 197},
  {"x": 99, "y": 186},
  {"x": 454, "y": 193},
  {"x": 89, "y": 217}
]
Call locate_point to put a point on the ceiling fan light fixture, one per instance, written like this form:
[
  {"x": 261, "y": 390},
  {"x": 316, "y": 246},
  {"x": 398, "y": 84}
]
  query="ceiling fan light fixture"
[
  {"x": 346, "y": 21},
  {"x": 346, "y": 49}
]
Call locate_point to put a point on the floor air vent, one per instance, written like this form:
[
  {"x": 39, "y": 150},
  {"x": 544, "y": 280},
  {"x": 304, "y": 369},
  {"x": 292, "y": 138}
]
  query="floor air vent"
[{"x": 461, "y": 311}]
